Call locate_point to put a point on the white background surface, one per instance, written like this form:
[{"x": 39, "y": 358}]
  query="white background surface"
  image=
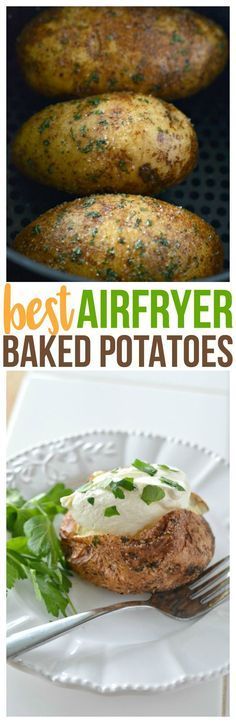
[{"x": 189, "y": 405}]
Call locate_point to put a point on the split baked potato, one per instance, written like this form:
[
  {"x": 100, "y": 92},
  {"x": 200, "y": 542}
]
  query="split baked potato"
[
  {"x": 123, "y": 238},
  {"x": 173, "y": 542},
  {"x": 171, "y": 553},
  {"x": 80, "y": 51},
  {"x": 119, "y": 142}
]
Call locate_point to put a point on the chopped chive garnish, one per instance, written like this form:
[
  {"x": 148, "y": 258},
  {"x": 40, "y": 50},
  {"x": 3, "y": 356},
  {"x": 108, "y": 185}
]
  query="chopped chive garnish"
[
  {"x": 116, "y": 487},
  {"x": 116, "y": 490},
  {"x": 152, "y": 493},
  {"x": 172, "y": 484},
  {"x": 90, "y": 500},
  {"x": 46, "y": 124},
  {"x": 127, "y": 483},
  {"x": 93, "y": 214},
  {"x": 111, "y": 511},
  {"x": 94, "y": 101},
  {"x": 36, "y": 229},
  {"x": 167, "y": 468},
  {"x": 144, "y": 467}
]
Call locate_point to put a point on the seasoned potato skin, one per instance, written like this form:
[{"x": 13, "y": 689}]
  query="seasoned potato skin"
[
  {"x": 123, "y": 238},
  {"x": 162, "y": 557},
  {"x": 119, "y": 142},
  {"x": 75, "y": 52}
]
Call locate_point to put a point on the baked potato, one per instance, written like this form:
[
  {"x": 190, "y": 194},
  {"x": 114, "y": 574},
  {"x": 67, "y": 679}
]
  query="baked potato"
[
  {"x": 123, "y": 238},
  {"x": 80, "y": 51},
  {"x": 172, "y": 547},
  {"x": 119, "y": 142}
]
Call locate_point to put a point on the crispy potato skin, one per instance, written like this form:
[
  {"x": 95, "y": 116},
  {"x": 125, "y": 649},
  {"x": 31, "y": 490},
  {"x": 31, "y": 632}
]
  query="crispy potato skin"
[
  {"x": 123, "y": 238},
  {"x": 172, "y": 553},
  {"x": 119, "y": 142},
  {"x": 75, "y": 52}
]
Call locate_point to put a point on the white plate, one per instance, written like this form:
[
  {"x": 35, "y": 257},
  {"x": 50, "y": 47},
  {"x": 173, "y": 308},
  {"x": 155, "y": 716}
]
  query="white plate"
[{"x": 139, "y": 649}]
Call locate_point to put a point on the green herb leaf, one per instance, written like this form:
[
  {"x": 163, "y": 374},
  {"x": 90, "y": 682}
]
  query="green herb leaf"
[
  {"x": 116, "y": 490},
  {"x": 18, "y": 544},
  {"x": 11, "y": 517},
  {"x": 15, "y": 569},
  {"x": 76, "y": 253},
  {"x": 22, "y": 516},
  {"x": 111, "y": 275},
  {"x": 44, "y": 125},
  {"x": 169, "y": 272},
  {"x": 21, "y": 511},
  {"x": 93, "y": 214},
  {"x": 101, "y": 144},
  {"x": 37, "y": 554},
  {"x": 42, "y": 539},
  {"x": 54, "y": 495},
  {"x": 111, "y": 511},
  {"x": 83, "y": 130},
  {"x": 86, "y": 149},
  {"x": 14, "y": 497},
  {"x": 152, "y": 493},
  {"x": 52, "y": 594},
  {"x": 166, "y": 467},
  {"x": 176, "y": 38},
  {"x": 90, "y": 500},
  {"x": 139, "y": 245},
  {"x": 144, "y": 467},
  {"x": 161, "y": 240},
  {"x": 127, "y": 483},
  {"x": 172, "y": 484},
  {"x": 88, "y": 202},
  {"x": 94, "y": 101},
  {"x": 36, "y": 230}
]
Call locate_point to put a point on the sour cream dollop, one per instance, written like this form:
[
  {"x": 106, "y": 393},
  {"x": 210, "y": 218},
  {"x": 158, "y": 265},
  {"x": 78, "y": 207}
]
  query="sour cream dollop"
[{"x": 126, "y": 500}]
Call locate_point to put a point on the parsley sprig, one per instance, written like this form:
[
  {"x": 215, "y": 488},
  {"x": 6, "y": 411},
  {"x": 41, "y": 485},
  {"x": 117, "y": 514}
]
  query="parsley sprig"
[{"x": 34, "y": 552}]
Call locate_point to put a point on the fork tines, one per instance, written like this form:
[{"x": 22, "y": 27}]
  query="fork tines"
[{"x": 204, "y": 588}]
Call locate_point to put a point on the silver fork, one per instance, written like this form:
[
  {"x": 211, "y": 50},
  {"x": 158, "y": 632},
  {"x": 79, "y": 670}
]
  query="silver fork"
[{"x": 189, "y": 601}]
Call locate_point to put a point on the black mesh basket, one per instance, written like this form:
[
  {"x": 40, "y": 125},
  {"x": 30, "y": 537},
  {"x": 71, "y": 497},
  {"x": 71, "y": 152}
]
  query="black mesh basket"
[{"x": 205, "y": 191}]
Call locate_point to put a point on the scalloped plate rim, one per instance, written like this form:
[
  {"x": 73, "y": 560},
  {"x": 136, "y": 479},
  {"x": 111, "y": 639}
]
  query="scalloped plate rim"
[
  {"x": 117, "y": 688},
  {"x": 114, "y": 689},
  {"x": 138, "y": 433}
]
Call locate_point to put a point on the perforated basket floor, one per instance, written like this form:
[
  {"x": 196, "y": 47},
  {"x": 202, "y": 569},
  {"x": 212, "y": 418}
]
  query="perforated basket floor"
[{"x": 205, "y": 191}]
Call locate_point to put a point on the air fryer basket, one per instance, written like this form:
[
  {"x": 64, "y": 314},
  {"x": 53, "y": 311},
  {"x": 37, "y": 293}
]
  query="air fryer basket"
[{"x": 205, "y": 191}]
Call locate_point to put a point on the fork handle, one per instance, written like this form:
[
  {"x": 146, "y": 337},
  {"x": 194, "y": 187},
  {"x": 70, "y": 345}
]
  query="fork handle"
[{"x": 26, "y": 639}]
